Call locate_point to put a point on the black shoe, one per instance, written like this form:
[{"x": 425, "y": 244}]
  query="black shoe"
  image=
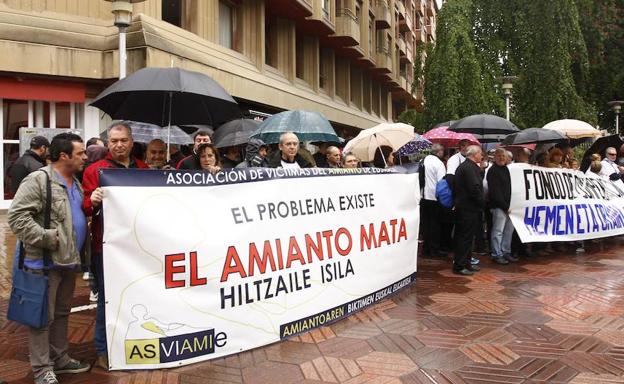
[
  {"x": 511, "y": 258},
  {"x": 500, "y": 260},
  {"x": 463, "y": 272}
]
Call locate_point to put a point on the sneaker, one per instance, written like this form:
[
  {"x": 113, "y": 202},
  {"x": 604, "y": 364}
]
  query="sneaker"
[
  {"x": 474, "y": 261},
  {"x": 580, "y": 250},
  {"x": 74, "y": 366},
  {"x": 87, "y": 276},
  {"x": 500, "y": 260},
  {"x": 93, "y": 297},
  {"x": 47, "y": 378},
  {"x": 463, "y": 272},
  {"x": 474, "y": 268}
]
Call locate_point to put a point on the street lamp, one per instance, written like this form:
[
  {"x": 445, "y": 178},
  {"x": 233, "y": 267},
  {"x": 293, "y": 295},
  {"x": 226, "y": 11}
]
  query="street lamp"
[
  {"x": 122, "y": 9},
  {"x": 507, "y": 90},
  {"x": 617, "y": 107}
]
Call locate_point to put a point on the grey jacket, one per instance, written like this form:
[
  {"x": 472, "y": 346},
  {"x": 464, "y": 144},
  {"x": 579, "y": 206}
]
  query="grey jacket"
[{"x": 26, "y": 218}]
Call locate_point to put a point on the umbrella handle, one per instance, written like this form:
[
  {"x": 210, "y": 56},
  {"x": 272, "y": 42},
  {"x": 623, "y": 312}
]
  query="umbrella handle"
[
  {"x": 169, "y": 128},
  {"x": 382, "y": 154}
]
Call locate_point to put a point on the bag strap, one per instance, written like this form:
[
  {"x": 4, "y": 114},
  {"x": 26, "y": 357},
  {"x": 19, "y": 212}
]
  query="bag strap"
[{"x": 47, "y": 260}]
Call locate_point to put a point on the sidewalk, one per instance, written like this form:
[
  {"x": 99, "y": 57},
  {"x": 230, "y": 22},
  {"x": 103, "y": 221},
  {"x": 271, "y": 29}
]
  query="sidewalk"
[{"x": 557, "y": 319}]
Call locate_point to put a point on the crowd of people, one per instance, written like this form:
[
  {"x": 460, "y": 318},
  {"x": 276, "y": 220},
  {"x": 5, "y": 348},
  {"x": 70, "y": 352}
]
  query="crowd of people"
[
  {"x": 479, "y": 213},
  {"x": 481, "y": 191}
]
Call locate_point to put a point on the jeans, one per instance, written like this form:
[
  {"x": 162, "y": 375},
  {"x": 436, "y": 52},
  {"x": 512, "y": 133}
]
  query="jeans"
[
  {"x": 502, "y": 231},
  {"x": 48, "y": 346},
  {"x": 99, "y": 338}
]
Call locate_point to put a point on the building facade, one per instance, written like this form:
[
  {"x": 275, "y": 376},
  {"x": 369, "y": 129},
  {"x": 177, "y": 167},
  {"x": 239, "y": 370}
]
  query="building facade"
[{"x": 351, "y": 60}]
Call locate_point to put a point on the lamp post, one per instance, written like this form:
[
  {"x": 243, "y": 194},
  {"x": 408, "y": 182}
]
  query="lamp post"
[
  {"x": 122, "y": 9},
  {"x": 616, "y": 105},
  {"x": 507, "y": 91}
]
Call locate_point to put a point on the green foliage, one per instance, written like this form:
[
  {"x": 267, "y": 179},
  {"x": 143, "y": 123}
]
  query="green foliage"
[
  {"x": 453, "y": 76},
  {"x": 413, "y": 118},
  {"x": 602, "y": 25},
  {"x": 567, "y": 66}
]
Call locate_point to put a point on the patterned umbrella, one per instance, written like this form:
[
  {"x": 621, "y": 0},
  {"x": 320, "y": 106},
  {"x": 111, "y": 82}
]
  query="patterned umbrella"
[
  {"x": 414, "y": 146},
  {"x": 145, "y": 132},
  {"x": 449, "y": 139},
  {"x": 308, "y": 126}
]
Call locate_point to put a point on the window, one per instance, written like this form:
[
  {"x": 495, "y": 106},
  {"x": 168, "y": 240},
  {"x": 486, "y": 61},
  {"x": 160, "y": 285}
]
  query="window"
[
  {"x": 270, "y": 43},
  {"x": 356, "y": 86},
  {"x": 371, "y": 36},
  {"x": 358, "y": 10},
  {"x": 324, "y": 68},
  {"x": 172, "y": 12},
  {"x": 326, "y": 8},
  {"x": 300, "y": 56},
  {"x": 226, "y": 25}
]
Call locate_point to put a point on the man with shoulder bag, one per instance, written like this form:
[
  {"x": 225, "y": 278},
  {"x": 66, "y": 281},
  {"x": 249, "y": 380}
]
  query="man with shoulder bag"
[{"x": 46, "y": 216}]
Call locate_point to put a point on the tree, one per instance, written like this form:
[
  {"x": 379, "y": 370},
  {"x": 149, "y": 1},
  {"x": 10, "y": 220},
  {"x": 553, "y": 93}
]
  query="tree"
[
  {"x": 453, "y": 76},
  {"x": 539, "y": 41},
  {"x": 415, "y": 119},
  {"x": 603, "y": 31}
]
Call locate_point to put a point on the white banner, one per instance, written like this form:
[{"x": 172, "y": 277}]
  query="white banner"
[
  {"x": 200, "y": 266},
  {"x": 551, "y": 204}
]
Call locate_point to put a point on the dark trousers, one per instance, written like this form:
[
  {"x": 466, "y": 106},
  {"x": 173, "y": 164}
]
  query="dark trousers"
[
  {"x": 466, "y": 228},
  {"x": 99, "y": 338},
  {"x": 431, "y": 226}
]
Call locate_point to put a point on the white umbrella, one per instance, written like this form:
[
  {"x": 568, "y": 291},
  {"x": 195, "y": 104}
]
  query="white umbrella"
[
  {"x": 573, "y": 129},
  {"x": 368, "y": 140}
]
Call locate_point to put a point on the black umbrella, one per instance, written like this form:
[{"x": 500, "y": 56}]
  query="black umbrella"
[
  {"x": 600, "y": 146},
  {"x": 235, "y": 132},
  {"x": 165, "y": 96},
  {"x": 534, "y": 135},
  {"x": 483, "y": 125}
]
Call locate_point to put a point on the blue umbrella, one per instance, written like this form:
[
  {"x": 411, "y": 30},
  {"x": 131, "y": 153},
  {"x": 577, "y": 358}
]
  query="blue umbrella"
[
  {"x": 308, "y": 126},
  {"x": 414, "y": 146}
]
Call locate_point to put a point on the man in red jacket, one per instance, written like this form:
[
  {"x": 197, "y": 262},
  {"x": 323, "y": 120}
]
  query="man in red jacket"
[{"x": 120, "y": 145}]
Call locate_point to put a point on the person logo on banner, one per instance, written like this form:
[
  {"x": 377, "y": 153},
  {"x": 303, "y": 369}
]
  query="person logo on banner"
[
  {"x": 56, "y": 250},
  {"x": 120, "y": 146}
]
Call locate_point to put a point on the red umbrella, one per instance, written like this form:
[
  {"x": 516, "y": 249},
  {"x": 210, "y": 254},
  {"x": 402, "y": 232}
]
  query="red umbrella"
[{"x": 449, "y": 139}]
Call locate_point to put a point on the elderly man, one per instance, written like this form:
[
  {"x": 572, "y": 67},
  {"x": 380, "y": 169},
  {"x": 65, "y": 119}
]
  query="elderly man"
[
  {"x": 432, "y": 210},
  {"x": 190, "y": 162},
  {"x": 287, "y": 156},
  {"x": 65, "y": 241},
  {"x": 30, "y": 161},
  {"x": 499, "y": 186},
  {"x": 333, "y": 157},
  {"x": 609, "y": 165},
  {"x": 469, "y": 202},
  {"x": 155, "y": 154},
  {"x": 120, "y": 145},
  {"x": 458, "y": 158}
]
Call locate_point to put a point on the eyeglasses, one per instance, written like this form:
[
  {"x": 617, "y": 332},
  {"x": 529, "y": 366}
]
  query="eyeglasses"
[{"x": 611, "y": 154}]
